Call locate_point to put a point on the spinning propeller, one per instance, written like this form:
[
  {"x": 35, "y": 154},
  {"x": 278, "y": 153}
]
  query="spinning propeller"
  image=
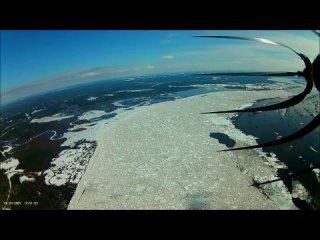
[{"x": 311, "y": 74}]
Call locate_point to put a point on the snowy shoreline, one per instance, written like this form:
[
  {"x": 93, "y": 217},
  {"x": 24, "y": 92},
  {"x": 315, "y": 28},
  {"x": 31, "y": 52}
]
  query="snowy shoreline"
[{"x": 120, "y": 174}]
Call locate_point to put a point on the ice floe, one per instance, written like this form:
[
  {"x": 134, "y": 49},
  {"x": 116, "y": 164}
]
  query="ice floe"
[
  {"x": 299, "y": 191},
  {"x": 277, "y": 191}
]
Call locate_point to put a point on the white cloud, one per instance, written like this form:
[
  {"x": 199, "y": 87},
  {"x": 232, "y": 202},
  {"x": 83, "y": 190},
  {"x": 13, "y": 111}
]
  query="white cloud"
[
  {"x": 89, "y": 74},
  {"x": 168, "y": 57},
  {"x": 151, "y": 67},
  {"x": 71, "y": 78}
]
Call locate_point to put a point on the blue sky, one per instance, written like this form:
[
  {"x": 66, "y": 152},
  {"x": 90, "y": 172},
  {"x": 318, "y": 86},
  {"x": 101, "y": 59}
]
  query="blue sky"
[{"x": 37, "y": 61}]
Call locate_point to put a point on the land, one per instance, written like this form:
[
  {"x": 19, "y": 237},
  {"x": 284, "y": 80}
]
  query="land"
[{"x": 46, "y": 143}]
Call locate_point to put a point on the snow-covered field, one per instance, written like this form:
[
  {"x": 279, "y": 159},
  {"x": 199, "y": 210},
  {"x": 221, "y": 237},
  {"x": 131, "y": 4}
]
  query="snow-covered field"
[
  {"x": 9, "y": 166},
  {"x": 71, "y": 163},
  {"x": 7, "y": 149},
  {"x": 36, "y": 110},
  {"x": 91, "y": 98},
  {"x": 55, "y": 117},
  {"x": 26, "y": 179},
  {"x": 91, "y": 115}
]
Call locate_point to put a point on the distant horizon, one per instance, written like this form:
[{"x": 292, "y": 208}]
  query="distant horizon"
[
  {"x": 40, "y": 61},
  {"x": 38, "y": 94}
]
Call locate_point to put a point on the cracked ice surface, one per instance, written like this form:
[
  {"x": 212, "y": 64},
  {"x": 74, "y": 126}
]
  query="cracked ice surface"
[{"x": 162, "y": 157}]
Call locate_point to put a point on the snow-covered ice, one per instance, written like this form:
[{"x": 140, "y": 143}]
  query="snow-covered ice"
[
  {"x": 55, "y": 117},
  {"x": 162, "y": 157},
  {"x": 91, "y": 98},
  {"x": 36, "y": 110}
]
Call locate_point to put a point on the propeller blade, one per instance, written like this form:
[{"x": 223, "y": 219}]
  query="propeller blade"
[
  {"x": 317, "y": 32},
  {"x": 262, "y": 40},
  {"x": 304, "y": 58},
  {"x": 292, "y": 175},
  {"x": 316, "y": 71},
  {"x": 285, "y": 104},
  {"x": 302, "y": 132},
  {"x": 270, "y": 74}
]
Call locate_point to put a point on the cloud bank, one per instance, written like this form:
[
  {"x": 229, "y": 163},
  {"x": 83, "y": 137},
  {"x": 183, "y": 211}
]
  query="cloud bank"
[
  {"x": 168, "y": 57},
  {"x": 70, "y": 79}
]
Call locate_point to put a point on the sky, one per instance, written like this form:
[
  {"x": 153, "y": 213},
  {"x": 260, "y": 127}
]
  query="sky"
[{"x": 36, "y": 61}]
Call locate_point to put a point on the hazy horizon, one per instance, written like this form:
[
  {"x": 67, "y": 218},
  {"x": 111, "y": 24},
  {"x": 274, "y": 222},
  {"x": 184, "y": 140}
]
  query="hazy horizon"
[{"x": 36, "y": 62}]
